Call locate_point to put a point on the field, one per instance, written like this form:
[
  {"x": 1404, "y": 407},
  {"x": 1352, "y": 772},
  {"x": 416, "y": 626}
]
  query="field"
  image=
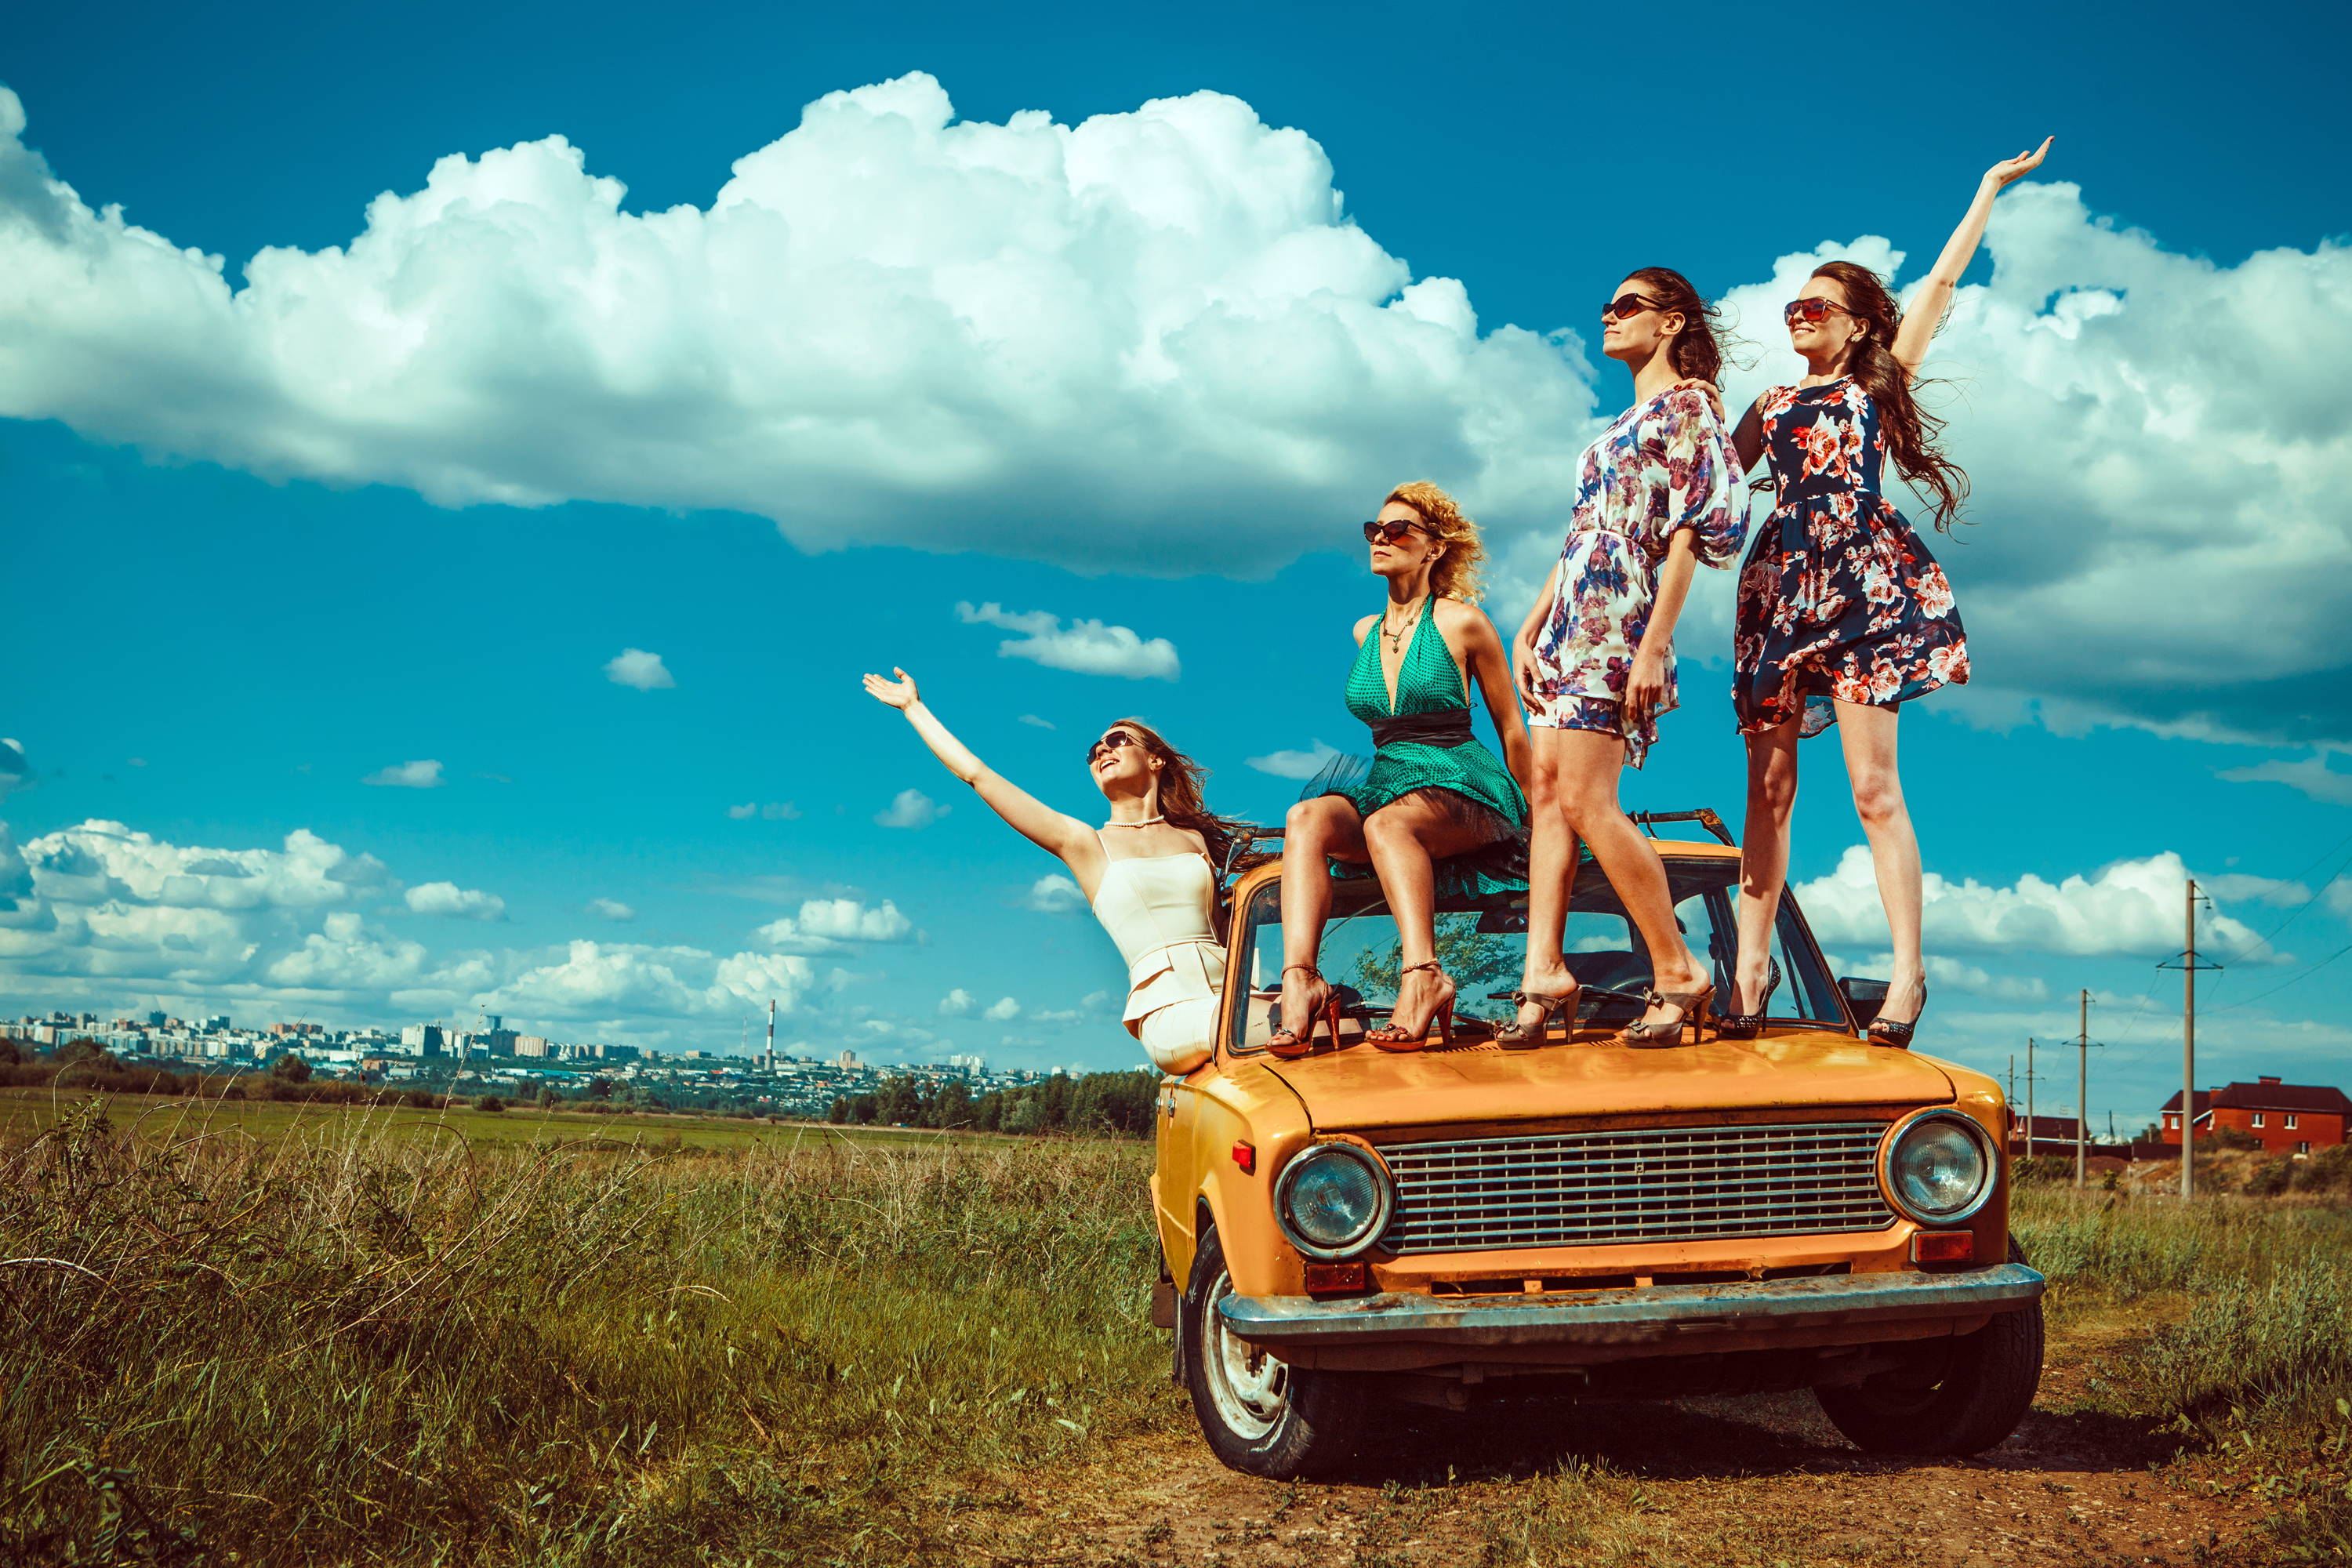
[{"x": 377, "y": 1340}]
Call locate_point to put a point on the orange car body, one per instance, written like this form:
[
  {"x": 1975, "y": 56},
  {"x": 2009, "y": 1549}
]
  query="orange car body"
[{"x": 1226, "y": 1131}]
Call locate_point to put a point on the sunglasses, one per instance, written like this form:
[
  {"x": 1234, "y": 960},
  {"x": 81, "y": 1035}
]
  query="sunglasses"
[
  {"x": 1390, "y": 532},
  {"x": 1110, "y": 743},
  {"x": 1625, "y": 307},
  {"x": 1797, "y": 310}
]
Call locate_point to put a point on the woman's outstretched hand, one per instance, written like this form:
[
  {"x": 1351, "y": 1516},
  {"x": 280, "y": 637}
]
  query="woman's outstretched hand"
[
  {"x": 1694, "y": 384},
  {"x": 2017, "y": 168},
  {"x": 900, "y": 693}
]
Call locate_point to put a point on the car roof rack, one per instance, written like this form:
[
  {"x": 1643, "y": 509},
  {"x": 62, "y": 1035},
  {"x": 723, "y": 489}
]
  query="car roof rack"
[{"x": 1704, "y": 816}]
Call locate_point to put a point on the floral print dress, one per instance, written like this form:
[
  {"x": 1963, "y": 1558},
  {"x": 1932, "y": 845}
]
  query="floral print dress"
[
  {"x": 1661, "y": 466},
  {"x": 1838, "y": 599}
]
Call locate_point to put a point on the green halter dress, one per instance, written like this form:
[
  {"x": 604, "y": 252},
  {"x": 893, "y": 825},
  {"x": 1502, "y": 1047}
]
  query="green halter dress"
[{"x": 1426, "y": 744}]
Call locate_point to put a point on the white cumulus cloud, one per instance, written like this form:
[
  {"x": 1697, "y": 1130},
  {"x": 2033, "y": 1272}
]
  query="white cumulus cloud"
[
  {"x": 2130, "y": 909},
  {"x": 1129, "y": 340},
  {"x": 823, "y": 925},
  {"x": 910, "y": 808},
  {"x": 1003, "y": 1008},
  {"x": 463, "y": 903},
  {"x": 636, "y": 667},
  {"x": 611, "y": 910},
  {"x": 14, "y": 770},
  {"x": 1087, "y": 648},
  {"x": 1053, "y": 894},
  {"x": 2310, "y": 776},
  {"x": 956, "y": 1003},
  {"x": 1294, "y": 764},
  {"x": 425, "y": 774}
]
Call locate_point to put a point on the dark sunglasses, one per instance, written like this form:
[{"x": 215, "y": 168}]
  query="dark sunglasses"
[
  {"x": 1388, "y": 532},
  {"x": 1625, "y": 307},
  {"x": 1797, "y": 310},
  {"x": 1110, "y": 743}
]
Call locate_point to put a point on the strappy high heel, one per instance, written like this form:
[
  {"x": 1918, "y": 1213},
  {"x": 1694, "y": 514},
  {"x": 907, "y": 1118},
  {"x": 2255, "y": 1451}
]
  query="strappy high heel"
[
  {"x": 1292, "y": 1044},
  {"x": 1694, "y": 1005},
  {"x": 1395, "y": 1040},
  {"x": 1887, "y": 1032},
  {"x": 1751, "y": 1025},
  {"x": 1516, "y": 1035}
]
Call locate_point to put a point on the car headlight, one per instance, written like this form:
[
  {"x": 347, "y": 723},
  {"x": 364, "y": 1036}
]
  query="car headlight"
[
  {"x": 1333, "y": 1201},
  {"x": 1937, "y": 1167}
]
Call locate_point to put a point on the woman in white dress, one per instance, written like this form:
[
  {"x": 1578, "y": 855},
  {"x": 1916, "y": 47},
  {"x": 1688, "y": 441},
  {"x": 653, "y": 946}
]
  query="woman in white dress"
[{"x": 1149, "y": 873}]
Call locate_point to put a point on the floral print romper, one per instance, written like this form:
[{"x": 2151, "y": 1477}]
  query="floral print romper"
[
  {"x": 1838, "y": 599},
  {"x": 1661, "y": 466}
]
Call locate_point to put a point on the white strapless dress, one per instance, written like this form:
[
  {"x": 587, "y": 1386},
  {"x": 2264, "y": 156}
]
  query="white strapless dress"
[{"x": 1157, "y": 908}]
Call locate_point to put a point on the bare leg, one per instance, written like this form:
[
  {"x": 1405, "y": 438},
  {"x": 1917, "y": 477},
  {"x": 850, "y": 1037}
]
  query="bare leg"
[
  {"x": 1589, "y": 765},
  {"x": 1869, "y": 735},
  {"x": 1314, "y": 830},
  {"x": 1763, "y": 858},
  {"x": 1551, "y": 885},
  {"x": 1404, "y": 838}
]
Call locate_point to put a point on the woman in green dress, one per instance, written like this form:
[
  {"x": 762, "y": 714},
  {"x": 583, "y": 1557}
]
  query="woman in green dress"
[{"x": 1436, "y": 810}]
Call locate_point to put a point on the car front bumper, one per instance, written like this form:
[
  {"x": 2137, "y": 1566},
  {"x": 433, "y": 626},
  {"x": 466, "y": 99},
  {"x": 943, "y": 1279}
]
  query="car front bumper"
[{"x": 1663, "y": 1319}]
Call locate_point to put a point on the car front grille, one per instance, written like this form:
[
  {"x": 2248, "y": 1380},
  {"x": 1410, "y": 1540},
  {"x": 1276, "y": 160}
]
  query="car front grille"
[{"x": 1677, "y": 1183}]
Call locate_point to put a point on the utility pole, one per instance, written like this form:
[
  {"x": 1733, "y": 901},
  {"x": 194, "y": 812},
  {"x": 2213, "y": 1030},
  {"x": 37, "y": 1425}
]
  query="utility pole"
[
  {"x": 2029, "y": 1076},
  {"x": 2082, "y": 1097},
  {"x": 2189, "y": 965}
]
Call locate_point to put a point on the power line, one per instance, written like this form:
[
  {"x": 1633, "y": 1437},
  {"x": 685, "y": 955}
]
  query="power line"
[{"x": 2292, "y": 980}]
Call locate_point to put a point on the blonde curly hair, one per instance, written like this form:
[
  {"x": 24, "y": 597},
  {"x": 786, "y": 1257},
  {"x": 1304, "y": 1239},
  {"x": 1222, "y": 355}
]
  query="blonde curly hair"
[{"x": 1455, "y": 575}]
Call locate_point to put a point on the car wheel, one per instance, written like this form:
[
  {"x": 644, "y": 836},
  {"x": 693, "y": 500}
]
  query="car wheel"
[
  {"x": 1957, "y": 1395},
  {"x": 1261, "y": 1415}
]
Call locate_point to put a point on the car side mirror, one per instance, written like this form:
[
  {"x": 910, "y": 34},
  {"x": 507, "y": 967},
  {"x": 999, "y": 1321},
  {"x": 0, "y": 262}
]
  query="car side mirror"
[{"x": 1864, "y": 998}]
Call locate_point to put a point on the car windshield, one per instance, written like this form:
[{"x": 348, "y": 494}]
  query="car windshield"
[{"x": 1481, "y": 942}]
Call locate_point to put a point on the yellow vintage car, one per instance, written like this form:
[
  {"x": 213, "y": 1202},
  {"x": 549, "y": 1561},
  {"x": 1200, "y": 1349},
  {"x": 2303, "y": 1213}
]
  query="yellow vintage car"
[{"x": 1803, "y": 1209}]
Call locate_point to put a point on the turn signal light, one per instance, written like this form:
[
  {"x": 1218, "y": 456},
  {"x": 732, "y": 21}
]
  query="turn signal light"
[
  {"x": 1944, "y": 1247},
  {"x": 1245, "y": 1156},
  {"x": 1332, "y": 1279}
]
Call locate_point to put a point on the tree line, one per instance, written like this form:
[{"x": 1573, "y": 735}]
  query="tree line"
[{"x": 1117, "y": 1104}]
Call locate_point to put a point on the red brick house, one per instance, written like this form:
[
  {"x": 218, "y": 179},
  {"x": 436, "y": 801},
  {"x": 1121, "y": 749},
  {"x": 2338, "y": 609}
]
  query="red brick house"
[{"x": 2285, "y": 1118}]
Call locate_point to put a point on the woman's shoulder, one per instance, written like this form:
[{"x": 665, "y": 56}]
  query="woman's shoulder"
[{"x": 1364, "y": 627}]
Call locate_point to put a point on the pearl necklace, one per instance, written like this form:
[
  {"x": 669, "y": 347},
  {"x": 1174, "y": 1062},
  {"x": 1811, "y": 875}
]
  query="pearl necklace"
[{"x": 1145, "y": 823}]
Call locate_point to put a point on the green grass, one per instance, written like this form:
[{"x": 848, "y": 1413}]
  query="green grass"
[
  {"x": 32, "y": 1110},
  {"x": 394, "y": 1349}
]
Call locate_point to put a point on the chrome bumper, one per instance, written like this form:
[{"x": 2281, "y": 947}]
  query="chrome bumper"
[{"x": 1630, "y": 1317}]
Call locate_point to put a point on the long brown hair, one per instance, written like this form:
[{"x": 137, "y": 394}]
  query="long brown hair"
[
  {"x": 1181, "y": 799},
  {"x": 1455, "y": 575},
  {"x": 1912, "y": 434},
  {"x": 1698, "y": 351}
]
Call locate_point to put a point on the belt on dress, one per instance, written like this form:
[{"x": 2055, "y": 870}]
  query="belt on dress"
[{"x": 1447, "y": 727}]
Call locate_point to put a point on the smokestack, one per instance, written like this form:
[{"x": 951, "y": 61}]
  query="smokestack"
[{"x": 771, "y": 1034}]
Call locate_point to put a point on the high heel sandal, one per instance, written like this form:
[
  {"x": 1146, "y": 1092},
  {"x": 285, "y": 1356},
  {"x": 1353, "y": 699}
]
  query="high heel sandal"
[
  {"x": 1749, "y": 1025},
  {"x": 1887, "y": 1032},
  {"x": 1292, "y": 1044},
  {"x": 1516, "y": 1035},
  {"x": 1694, "y": 1015},
  {"x": 1395, "y": 1040}
]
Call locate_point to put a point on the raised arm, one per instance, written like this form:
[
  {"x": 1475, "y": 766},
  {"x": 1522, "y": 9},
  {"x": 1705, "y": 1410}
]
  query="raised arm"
[
  {"x": 1748, "y": 440},
  {"x": 1051, "y": 830},
  {"x": 1935, "y": 297}
]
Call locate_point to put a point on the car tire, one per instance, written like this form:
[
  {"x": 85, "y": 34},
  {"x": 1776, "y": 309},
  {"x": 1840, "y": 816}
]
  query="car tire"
[
  {"x": 1261, "y": 1417},
  {"x": 1954, "y": 1396}
]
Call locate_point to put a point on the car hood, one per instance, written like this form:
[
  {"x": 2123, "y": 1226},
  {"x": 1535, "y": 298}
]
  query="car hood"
[{"x": 1366, "y": 1089}]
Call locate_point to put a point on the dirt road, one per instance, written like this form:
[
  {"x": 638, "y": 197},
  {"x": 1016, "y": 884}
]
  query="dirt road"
[{"x": 1720, "y": 1482}]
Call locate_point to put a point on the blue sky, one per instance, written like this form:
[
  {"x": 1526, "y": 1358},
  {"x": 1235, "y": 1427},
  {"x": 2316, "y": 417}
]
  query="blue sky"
[{"x": 263, "y": 548}]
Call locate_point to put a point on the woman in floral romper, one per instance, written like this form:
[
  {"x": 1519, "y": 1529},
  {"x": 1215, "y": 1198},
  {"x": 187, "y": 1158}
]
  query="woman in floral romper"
[
  {"x": 1657, "y": 494},
  {"x": 1844, "y": 614}
]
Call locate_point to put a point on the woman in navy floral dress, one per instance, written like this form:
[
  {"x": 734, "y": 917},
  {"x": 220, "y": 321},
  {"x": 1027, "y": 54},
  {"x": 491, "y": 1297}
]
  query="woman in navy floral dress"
[
  {"x": 1656, "y": 496},
  {"x": 1844, "y": 614}
]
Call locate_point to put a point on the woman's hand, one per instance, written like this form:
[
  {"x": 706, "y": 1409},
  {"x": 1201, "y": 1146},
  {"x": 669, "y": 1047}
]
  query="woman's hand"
[
  {"x": 1693, "y": 384},
  {"x": 1645, "y": 687},
  {"x": 2017, "y": 168},
  {"x": 900, "y": 693},
  {"x": 1523, "y": 676}
]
